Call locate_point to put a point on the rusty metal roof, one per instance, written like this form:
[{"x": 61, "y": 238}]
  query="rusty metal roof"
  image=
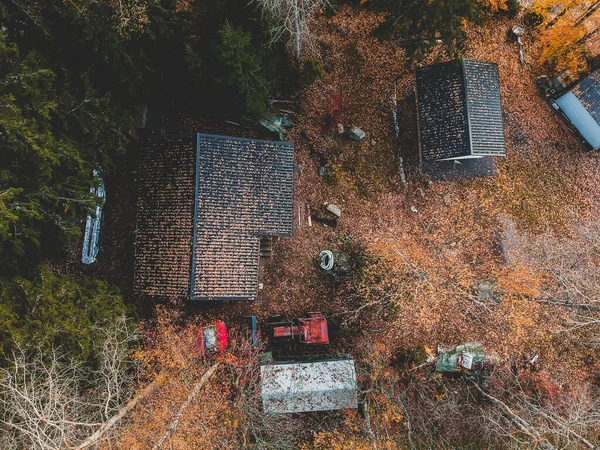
[
  {"x": 165, "y": 214},
  {"x": 204, "y": 202}
]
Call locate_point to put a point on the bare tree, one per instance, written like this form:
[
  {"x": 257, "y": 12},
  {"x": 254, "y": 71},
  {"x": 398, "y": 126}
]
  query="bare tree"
[
  {"x": 49, "y": 401},
  {"x": 113, "y": 375},
  {"x": 520, "y": 416},
  {"x": 571, "y": 268},
  {"x": 291, "y": 18},
  {"x": 256, "y": 429}
]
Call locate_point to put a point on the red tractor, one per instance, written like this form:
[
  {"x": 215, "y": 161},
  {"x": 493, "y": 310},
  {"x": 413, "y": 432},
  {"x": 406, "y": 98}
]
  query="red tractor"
[
  {"x": 213, "y": 338},
  {"x": 310, "y": 329}
]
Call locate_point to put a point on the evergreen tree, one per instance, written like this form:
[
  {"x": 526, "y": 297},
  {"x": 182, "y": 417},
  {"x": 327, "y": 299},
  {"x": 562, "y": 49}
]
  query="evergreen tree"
[
  {"x": 242, "y": 64},
  {"x": 422, "y": 23},
  {"x": 52, "y": 137},
  {"x": 56, "y": 311}
]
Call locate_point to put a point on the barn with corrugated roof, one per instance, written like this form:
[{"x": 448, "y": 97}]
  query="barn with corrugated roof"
[
  {"x": 459, "y": 111},
  {"x": 294, "y": 387},
  {"x": 204, "y": 203}
]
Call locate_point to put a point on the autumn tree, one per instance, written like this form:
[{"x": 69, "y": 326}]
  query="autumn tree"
[
  {"x": 189, "y": 409},
  {"x": 524, "y": 405},
  {"x": 569, "y": 267},
  {"x": 566, "y": 28}
]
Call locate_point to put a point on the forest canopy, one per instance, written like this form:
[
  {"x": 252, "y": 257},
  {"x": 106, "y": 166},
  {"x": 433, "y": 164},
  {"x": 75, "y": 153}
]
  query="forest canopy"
[{"x": 425, "y": 262}]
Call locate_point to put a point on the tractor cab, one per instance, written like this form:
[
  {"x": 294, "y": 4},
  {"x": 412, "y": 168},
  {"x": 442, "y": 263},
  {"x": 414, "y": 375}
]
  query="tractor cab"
[
  {"x": 310, "y": 329},
  {"x": 313, "y": 329}
]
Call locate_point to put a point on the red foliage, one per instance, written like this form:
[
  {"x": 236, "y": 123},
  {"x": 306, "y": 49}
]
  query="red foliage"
[{"x": 338, "y": 107}]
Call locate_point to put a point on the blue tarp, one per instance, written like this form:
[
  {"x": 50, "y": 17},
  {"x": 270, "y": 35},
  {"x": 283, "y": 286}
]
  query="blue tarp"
[
  {"x": 579, "y": 116},
  {"x": 92, "y": 225}
]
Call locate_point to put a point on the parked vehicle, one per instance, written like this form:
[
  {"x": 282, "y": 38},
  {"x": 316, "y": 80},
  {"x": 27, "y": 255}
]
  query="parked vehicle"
[
  {"x": 310, "y": 329},
  {"x": 213, "y": 338}
]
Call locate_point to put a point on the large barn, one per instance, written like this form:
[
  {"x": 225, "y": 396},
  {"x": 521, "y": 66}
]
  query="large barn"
[
  {"x": 204, "y": 203},
  {"x": 459, "y": 111}
]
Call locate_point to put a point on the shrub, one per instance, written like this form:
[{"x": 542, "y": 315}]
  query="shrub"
[
  {"x": 55, "y": 311},
  {"x": 513, "y": 7},
  {"x": 312, "y": 70},
  {"x": 410, "y": 356}
]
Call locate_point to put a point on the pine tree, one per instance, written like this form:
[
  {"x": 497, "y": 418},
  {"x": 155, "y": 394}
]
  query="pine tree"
[{"x": 242, "y": 67}]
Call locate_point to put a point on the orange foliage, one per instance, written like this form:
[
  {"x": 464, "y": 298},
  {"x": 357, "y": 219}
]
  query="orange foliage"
[
  {"x": 565, "y": 31},
  {"x": 168, "y": 346},
  {"x": 349, "y": 436},
  {"x": 495, "y": 5},
  {"x": 520, "y": 280},
  {"x": 563, "y": 49},
  {"x": 355, "y": 91}
]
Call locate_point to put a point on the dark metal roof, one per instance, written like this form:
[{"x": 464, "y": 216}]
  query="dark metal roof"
[
  {"x": 244, "y": 190},
  {"x": 587, "y": 92},
  {"x": 204, "y": 201},
  {"x": 459, "y": 110},
  {"x": 484, "y": 108},
  {"x": 442, "y": 111}
]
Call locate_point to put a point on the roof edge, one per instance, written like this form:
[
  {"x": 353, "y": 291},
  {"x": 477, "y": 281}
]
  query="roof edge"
[
  {"x": 290, "y": 144},
  {"x": 194, "y": 229},
  {"x": 220, "y": 298},
  {"x": 466, "y": 99}
]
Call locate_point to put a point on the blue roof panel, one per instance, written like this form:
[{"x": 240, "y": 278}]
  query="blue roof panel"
[{"x": 580, "y": 117}]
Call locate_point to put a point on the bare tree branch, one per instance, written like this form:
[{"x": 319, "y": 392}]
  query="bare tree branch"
[{"x": 172, "y": 427}]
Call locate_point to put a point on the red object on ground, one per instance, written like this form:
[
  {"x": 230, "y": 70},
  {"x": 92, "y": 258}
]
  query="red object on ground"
[
  {"x": 213, "y": 338},
  {"x": 222, "y": 335},
  {"x": 311, "y": 329},
  {"x": 285, "y": 331}
]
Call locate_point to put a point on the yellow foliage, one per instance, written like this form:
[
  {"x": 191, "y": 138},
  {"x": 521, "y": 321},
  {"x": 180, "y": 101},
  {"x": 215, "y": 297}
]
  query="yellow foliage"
[
  {"x": 565, "y": 31},
  {"x": 544, "y": 8},
  {"x": 495, "y": 5},
  {"x": 335, "y": 440},
  {"x": 521, "y": 280},
  {"x": 563, "y": 49}
]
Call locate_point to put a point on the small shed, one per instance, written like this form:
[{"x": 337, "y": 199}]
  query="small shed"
[
  {"x": 459, "y": 111},
  {"x": 581, "y": 107},
  {"x": 308, "y": 386}
]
